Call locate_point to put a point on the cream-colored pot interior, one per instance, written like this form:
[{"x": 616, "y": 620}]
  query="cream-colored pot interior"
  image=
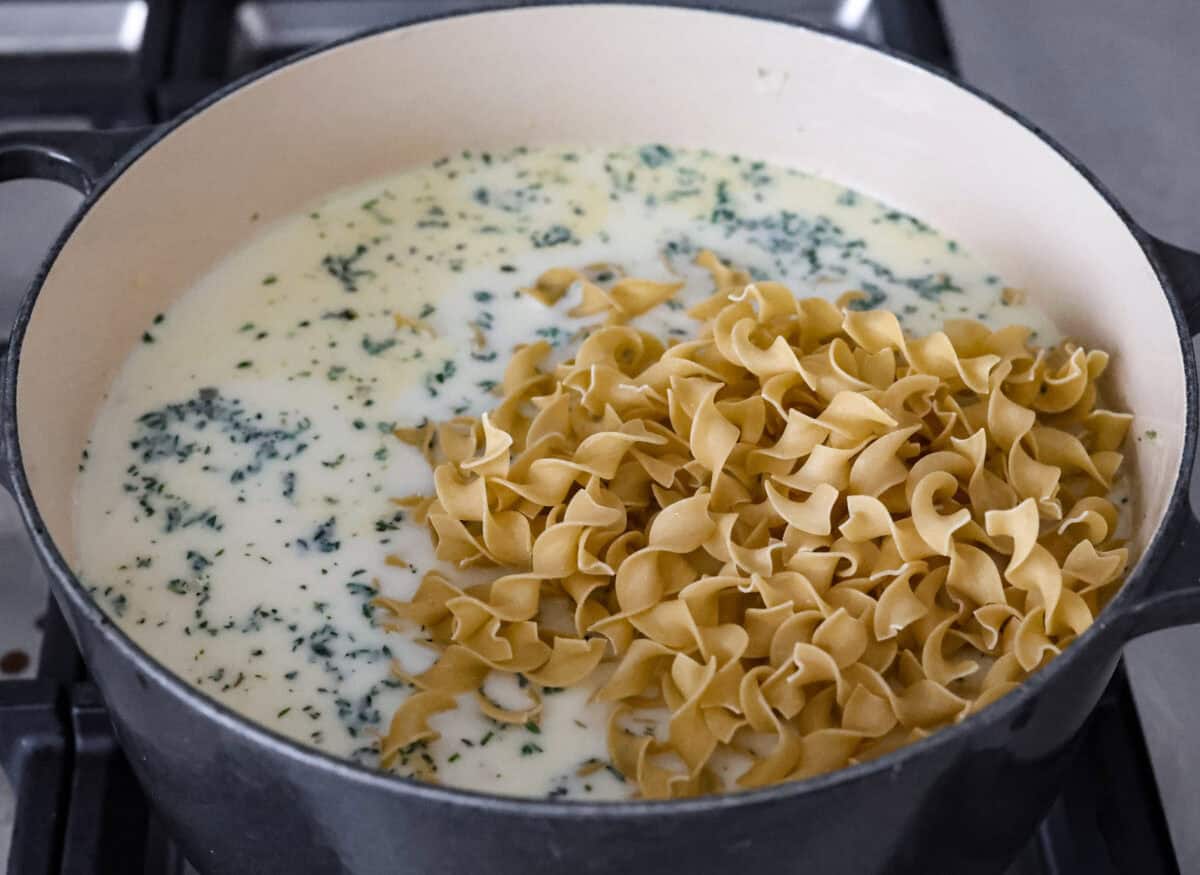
[{"x": 643, "y": 74}]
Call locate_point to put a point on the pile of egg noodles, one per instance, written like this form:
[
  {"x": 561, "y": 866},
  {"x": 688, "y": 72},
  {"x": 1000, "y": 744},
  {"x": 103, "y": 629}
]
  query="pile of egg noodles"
[{"x": 800, "y": 539}]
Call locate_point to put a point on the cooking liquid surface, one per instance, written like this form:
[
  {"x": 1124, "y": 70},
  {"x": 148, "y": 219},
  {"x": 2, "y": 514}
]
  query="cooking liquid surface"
[{"x": 233, "y": 507}]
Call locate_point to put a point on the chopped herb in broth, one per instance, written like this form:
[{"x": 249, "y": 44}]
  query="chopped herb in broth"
[{"x": 235, "y": 504}]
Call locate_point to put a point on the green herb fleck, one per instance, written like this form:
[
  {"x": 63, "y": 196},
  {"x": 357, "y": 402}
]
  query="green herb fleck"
[
  {"x": 435, "y": 379},
  {"x": 372, "y": 209},
  {"x": 375, "y": 347},
  {"x": 874, "y": 296},
  {"x": 344, "y": 268},
  {"x": 555, "y": 335},
  {"x": 322, "y": 539},
  {"x": 655, "y": 155},
  {"x": 615, "y": 772},
  {"x": 555, "y": 235}
]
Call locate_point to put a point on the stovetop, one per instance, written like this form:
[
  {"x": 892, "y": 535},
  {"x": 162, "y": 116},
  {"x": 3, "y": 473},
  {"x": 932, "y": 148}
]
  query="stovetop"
[{"x": 76, "y": 807}]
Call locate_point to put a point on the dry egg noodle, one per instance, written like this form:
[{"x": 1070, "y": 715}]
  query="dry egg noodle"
[
  {"x": 234, "y": 510},
  {"x": 802, "y": 537}
]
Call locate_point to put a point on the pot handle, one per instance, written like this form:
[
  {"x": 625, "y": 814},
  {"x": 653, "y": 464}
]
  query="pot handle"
[
  {"x": 1173, "y": 597},
  {"x": 1181, "y": 268},
  {"x": 78, "y": 158}
]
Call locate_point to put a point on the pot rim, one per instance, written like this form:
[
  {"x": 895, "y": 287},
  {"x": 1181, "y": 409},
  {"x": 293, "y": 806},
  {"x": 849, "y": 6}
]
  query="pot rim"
[{"x": 1111, "y": 621}]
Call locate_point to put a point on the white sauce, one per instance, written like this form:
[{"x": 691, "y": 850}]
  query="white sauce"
[{"x": 269, "y": 478}]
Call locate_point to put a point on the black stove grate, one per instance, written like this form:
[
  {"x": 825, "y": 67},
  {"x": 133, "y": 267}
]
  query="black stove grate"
[{"x": 78, "y": 807}]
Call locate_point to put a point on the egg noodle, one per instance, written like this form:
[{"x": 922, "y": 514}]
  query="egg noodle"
[{"x": 801, "y": 539}]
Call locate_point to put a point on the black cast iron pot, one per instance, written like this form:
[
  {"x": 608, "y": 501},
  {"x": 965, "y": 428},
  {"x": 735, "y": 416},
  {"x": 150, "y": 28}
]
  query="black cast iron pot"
[{"x": 164, "y": 204}]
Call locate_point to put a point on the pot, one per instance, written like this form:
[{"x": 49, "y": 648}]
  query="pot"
[{"x": 164, "y": 204}]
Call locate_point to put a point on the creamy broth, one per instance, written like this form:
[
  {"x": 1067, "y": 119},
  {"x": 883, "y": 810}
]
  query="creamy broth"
[{"x": 234, "y": 512}]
